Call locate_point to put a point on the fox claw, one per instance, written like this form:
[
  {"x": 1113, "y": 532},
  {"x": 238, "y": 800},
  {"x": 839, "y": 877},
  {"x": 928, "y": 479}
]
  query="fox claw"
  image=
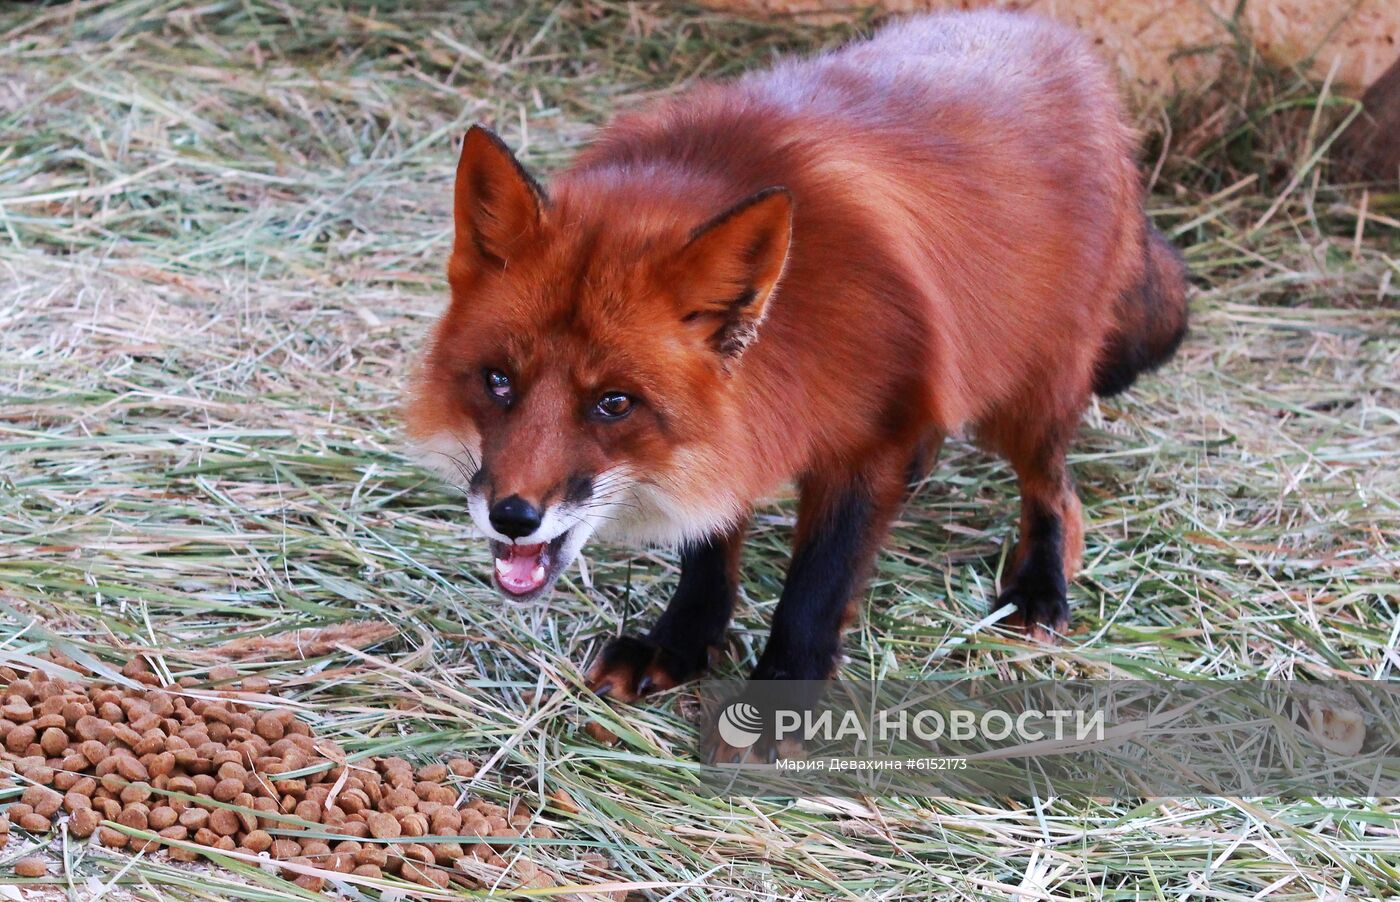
[{"x": 632, "y": 666}]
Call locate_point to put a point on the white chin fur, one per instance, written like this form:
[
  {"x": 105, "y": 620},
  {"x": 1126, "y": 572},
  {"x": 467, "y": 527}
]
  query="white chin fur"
[
  {"x": 574, "y": 544},
  {"x": 650, "y": 516}
]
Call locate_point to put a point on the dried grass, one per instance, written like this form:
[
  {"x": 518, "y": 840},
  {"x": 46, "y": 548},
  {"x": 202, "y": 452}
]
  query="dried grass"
[{"x": 221, "y": 238}]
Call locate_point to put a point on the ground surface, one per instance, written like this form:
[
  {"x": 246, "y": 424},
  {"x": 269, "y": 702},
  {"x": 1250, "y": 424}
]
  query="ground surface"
[{"x": 221, "y": 240}]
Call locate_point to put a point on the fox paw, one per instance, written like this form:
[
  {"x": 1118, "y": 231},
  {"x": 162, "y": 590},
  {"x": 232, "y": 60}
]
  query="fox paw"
[
  {"x": 633, "y": 666},
  {"x": 1042, "y": 612}
]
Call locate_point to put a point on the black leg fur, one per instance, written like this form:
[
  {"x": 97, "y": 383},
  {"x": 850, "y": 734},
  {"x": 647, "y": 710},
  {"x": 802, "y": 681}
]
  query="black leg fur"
[
  {"x": 1038, "y": 586},
  {"x": 838, "y": 533},
  {"x": 806, "y": 635},
  {"x": 695, "y": 620}
]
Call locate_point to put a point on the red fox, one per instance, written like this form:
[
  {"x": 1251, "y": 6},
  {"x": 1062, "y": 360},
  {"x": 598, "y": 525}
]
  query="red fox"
[{"x": 808, "y": 276}]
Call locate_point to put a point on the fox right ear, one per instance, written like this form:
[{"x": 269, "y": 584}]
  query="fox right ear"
[
  {"x": 729, "y": 270},
  {"x": 495, "y": 202}
]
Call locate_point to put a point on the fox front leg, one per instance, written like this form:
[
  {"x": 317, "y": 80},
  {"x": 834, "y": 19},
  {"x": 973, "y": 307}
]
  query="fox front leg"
[{"x": 840, "y": 525}]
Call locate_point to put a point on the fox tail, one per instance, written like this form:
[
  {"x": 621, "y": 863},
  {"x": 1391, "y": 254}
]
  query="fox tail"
[{"x": 1151, "y": 319}]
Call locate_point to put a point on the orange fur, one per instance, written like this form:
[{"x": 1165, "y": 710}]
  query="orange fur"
[{"x": 960, "y": 226}]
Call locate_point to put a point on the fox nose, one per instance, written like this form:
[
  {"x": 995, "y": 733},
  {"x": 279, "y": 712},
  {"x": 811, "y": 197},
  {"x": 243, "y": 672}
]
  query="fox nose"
[{"x": 515, "y": 517}]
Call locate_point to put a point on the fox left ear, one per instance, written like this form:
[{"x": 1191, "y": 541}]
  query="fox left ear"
[{"x": 729, "y": 269}]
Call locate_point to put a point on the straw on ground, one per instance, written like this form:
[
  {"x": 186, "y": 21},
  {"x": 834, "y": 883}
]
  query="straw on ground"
[{"x": 222, "y": 231}]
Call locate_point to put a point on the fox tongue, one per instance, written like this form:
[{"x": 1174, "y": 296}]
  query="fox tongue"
[{"x": 521, "y": 570}]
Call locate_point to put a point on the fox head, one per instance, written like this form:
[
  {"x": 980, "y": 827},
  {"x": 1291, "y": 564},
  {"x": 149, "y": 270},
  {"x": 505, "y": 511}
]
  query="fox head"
[{"x": 584, "y": 376}]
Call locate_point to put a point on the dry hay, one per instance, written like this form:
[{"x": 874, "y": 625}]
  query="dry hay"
[{"x": 222, "y": 231}]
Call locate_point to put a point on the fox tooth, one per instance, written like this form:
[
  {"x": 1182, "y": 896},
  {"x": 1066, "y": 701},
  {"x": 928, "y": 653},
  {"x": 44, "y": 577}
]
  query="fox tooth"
[
  {"x": 502, "y": 566},
  {"x": 537, "y": 574}
]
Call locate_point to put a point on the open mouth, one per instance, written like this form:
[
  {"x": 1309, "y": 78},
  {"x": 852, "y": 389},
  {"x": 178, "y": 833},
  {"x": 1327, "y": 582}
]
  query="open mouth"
[{"x": 524, "y": 570}]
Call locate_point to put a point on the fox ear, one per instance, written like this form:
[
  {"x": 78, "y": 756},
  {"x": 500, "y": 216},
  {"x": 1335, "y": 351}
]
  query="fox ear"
[
  {"x": 495, "y": 202},
  {"x": 729, "y": 269}
]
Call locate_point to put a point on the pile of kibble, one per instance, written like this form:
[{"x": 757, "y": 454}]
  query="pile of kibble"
[{"x": 197, "y": 767}]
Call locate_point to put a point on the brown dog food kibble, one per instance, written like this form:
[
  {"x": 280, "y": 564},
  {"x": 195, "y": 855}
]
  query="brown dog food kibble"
[
  {"x": 151, "y": 758},
  {"x": 314, "y": 848},
  {"x": 163, "y": 817},
  {"x": 194, "y": 818},
  {"x": 269, "y": 727},
  {"x": 19, "y": 738},
  {"x": 31, "y": 867},
  {"x": 383, "y": 826},
  {"x": 225, "y": 790},
  {"x": 93, "y": 750},
  {"x": 414, "y": 824},
  {"x": 222, "y": 674},
  {"x": 84, "y": 822},
  {"x": 131, "y": 769},
  {"x": 309, "y": 882},
  {"x": 136, "y": 817},
  {"x": 113, "y": 839},
  {"x": 375, "y": 855},
  {"x": 224, "y": 822},
  {"x": 54, "y": 742},
  {"x": 257, "y": 840}
]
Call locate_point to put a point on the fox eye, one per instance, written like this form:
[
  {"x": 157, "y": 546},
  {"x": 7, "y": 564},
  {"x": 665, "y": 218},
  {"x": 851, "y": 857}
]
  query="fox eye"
[
  {"x": 613, "y": 406},
  {"x": 498, "y": 386}
]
